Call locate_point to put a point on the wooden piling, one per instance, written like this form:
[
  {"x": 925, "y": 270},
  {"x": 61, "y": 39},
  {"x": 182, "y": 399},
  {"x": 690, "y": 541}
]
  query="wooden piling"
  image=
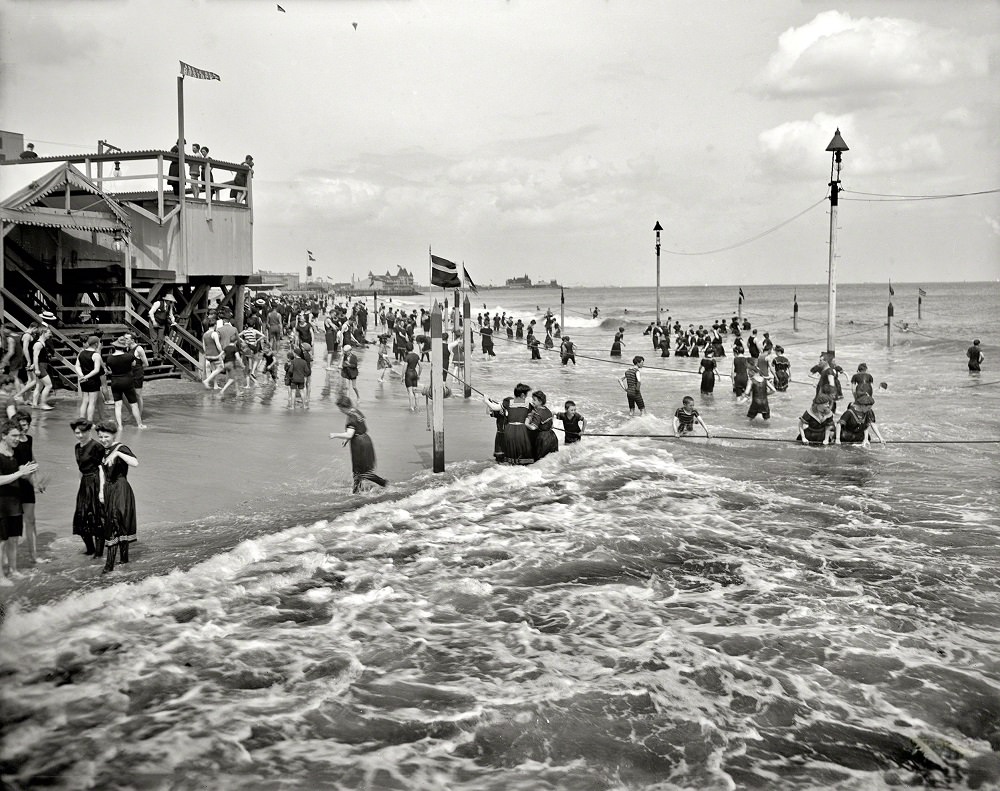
[
  {"x": 467, "y": 344},
  {"x": 888, "y": 326},
  {"x": 795, "y": 316},
  {"x": 437, "y": 389}
]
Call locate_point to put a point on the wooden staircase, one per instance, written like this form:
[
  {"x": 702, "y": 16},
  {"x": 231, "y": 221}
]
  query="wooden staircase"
[{"x": 62, "y": 371}]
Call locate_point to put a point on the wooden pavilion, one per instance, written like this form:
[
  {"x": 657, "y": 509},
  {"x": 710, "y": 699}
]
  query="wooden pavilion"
[{"x": 97, "y": 246}]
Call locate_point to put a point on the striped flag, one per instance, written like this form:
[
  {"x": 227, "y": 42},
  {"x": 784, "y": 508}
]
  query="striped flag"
[
  {"x": 310, "y": 254},
  {"x": 468, "y": 280},
  {"x": 892, "y": 291},
  {"x": 444, "y": 273},
  {"x": 921, "y": 292},
  {"x": 199, "y": 74}
]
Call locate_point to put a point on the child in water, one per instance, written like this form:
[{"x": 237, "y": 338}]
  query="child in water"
[
  {"x": 685, "y": 417},
  {"x": 573, "y": 422}
]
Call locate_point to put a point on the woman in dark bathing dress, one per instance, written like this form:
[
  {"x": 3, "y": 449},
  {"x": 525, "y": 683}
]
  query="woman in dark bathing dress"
[
  {"x": 539, "y": 422},
  {"x": 501, "y": 418},
  {"x": 362, "y": 449},
  {"x": 120, "y": 524},
  {"x": 87, "y": 516},
  {"x": 516, "y": 438}
]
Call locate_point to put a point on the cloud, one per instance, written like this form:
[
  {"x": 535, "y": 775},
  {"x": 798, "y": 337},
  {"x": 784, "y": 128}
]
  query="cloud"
[
  {"x": 797, "y": 150},
  {"x": 994, "y": 224},
  {"x": 838, "y": 55}
]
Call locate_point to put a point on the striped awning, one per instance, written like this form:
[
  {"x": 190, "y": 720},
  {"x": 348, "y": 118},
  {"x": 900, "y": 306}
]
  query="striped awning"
[{"x": 24, "y": 206}]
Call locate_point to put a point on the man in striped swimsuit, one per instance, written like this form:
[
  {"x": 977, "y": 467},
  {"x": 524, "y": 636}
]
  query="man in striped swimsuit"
[{"x": 631, "y": 383}]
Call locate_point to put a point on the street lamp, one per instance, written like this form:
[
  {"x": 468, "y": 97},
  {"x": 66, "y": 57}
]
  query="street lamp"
[
  {"x": 837, "y": 147},
  {"x": 117, "y": 240},
  {"x": 657, "y": 228}
]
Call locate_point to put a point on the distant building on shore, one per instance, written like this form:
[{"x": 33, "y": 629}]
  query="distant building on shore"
[
  {"x": 400, "y": 284},
  {"x": 525, "y": 282},
  {"x": 286, "y": 281}
]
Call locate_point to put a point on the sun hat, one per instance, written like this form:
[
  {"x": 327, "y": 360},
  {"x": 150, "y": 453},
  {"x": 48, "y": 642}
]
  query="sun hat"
[
  {"x": 47, "y": 315},
  {"x": 261, "y": 301},
  {"x": 169, "y": 298}
]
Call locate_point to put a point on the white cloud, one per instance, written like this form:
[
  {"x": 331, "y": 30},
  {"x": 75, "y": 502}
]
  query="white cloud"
[
  {"x": 838, "y": 55},
  {"x": 994, "y": 224},
  {"x": 797, "y": 150}
]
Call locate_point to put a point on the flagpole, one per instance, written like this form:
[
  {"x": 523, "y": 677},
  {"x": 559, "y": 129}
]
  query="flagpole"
[
  {"x": 920, "y": 305},
  {"x": 181, "y": 171}
]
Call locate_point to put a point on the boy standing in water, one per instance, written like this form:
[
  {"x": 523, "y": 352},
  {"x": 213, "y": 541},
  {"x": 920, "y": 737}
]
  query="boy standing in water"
[
  {"x": 975, "y": 355},
  {"x": 685, "y": 417},
  {"x": 573, "y": 422},
  {"x": 631, "y": 383}
]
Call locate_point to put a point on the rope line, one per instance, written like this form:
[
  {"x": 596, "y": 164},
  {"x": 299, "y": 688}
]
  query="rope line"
[
  {"x": 882, "y": 197},
  {"x": 752, "y": 238}
]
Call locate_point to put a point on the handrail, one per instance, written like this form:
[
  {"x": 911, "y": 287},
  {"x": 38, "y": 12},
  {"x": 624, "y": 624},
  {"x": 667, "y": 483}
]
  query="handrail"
[
  {"x": 17, "y": 264},
  {"x": 180, "y": 330},
  {"x": 24, "y": 327},
  {"x": 197, "y": 365}
]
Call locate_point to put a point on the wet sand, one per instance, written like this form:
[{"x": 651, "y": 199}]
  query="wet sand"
[{"x": 212, "y": 473}]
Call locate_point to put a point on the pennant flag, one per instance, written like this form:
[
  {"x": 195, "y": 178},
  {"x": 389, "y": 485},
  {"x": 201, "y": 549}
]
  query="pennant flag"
[
  {"x": 282, "y": 10},
  {"x": 468, "y": 280},
  {"x": 199, "y": 74},
  {"x": 892, "y": 291},
  {"x": 310, "y": 254},
  {"x": 921, "y": 292},
  {"x": 796, "y": 297},
  {"x": 444, "y": 273},
  {"x": 741, "y": 294}
]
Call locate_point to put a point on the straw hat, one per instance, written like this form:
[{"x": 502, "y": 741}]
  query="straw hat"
[
  {"x": 47, "y": 315},
  {"x": 169, "y": 298}
]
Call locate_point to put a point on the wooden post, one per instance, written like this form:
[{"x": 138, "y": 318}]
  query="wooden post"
[
  {"x": 562, "y": 311},
  {"x": 467, "y": 344},
  {"x": 159, "y": 187},
  {"x": 795, "y": 314},
  {"x": 181, "y": 174},
  {"x": 208, "y": 189},
  {"x": 888, "y": 327},
  {"x": 238, "y": 306},
  {"x": 437, "y": 389},
  {"x": 128, "y": 276},
  {"x": 739, "y": 312},
  {"x": 3, "y": 268},
  {"x": 59, "y": 273},
  {"x": 920, "y": 307}
]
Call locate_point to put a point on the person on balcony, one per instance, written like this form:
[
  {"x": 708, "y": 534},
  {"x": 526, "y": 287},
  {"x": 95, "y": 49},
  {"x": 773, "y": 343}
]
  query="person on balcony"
[
  {"x": 195, "y": 170},
  {"x": 161, "y": 319}
]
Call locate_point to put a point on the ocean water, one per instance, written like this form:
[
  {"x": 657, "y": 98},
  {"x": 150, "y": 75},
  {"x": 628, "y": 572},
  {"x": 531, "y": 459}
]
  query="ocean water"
[{"x": 633, "y": 612}]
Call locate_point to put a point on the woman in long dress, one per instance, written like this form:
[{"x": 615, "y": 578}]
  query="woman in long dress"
[
  {"x": 709, "y": 372},
  {"x": 500, "y": 414},
  {"x": 540, "y": 424},
  {"x": 362, "y": 450},
  {"x": 618, "y": 343},
  {"x": 816, "y": 423},
  {"x": 117, "y": 498},
  {"x": 516, "y": 438},
  {"x": 87, "y": 515}
]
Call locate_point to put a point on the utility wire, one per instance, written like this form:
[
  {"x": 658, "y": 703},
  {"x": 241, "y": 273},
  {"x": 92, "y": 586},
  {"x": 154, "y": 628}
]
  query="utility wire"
[
  {"x": 752, "y": 238},
  {"x": 881, "y": 197}
]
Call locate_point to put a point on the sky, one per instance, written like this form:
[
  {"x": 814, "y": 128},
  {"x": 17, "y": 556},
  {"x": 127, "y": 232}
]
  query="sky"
[{"x": 547, "y": 137}]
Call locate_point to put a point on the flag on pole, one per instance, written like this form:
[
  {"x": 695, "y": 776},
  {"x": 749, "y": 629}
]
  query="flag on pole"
[
  {"x": 199, "y": 74},
  {"x": 796, "y": 297},
  {"x": 892, "y": 291},
  {"x": 741, "y": 294},
  {"x": 921, "y": 292},
  {"x": 310, "y": 254},
  {"x": 444, "y": 273},
  {"x": 468, "y": 280}
]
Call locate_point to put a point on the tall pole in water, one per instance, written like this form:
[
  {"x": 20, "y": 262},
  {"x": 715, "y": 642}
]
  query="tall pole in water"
[
  {"x": 657, "y": 228},
  {"x": 466, "y": 346},
  {"x": 562, "y": 310},
  {"x": 837, "y": 147},
  {"x": 437, "y": 389}
]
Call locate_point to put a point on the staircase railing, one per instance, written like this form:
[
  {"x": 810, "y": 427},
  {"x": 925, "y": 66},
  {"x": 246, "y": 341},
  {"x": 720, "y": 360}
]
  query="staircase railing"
[
  {"x": 192, "y": 373},
  {"x": 11, "y": 298},
  {"x": 183, "y": 333}
]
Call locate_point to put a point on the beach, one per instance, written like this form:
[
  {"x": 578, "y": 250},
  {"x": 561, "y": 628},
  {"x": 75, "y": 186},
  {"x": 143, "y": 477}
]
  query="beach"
[{"x": 632, "y": 612}]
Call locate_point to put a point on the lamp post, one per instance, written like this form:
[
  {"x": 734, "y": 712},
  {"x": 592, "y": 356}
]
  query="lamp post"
[
  {"x": 837, "y": 147},
  {"x": 657, "y": 228}
]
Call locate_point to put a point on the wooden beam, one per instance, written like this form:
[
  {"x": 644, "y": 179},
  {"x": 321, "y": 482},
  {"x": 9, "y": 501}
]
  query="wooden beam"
[
  {"x": 144, "y": 212},
  {"x": 193, "y": 299},
  {"x": 159, "y": 187}
]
